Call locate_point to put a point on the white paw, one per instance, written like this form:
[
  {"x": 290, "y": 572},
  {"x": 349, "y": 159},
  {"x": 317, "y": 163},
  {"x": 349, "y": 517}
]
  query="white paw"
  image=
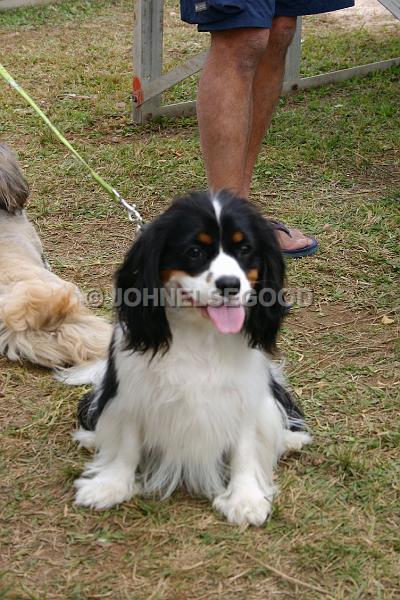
[
  {"x": 244, "y": 509},
  {"x": 295, "y": 440},
  {"x": 85, "y": 439},
  {"x": 103, "y": 492}
]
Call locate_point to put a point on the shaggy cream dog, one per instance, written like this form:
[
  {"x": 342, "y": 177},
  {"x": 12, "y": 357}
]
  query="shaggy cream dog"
[{"x": 42, "y": 318}]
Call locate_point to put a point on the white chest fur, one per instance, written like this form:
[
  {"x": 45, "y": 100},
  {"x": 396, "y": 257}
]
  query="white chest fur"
[{"x": 190, "y": 404}]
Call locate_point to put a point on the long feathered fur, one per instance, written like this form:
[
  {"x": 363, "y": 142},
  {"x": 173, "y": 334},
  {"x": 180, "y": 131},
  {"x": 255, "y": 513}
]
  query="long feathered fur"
[
  {"x": 189, "y": 396},
  {"x": 43, "y": 318}
]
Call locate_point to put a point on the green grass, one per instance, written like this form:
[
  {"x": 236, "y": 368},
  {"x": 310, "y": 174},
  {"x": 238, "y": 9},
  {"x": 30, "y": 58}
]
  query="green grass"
[
  {"x": 56, "y": 13},
  {"x": 329, "y": 165},
  {"x": 329, "y": 51}
]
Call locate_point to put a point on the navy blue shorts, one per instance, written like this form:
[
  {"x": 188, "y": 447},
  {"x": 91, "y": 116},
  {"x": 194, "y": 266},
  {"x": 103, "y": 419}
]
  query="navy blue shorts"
[{"x": 218, "y": 15}]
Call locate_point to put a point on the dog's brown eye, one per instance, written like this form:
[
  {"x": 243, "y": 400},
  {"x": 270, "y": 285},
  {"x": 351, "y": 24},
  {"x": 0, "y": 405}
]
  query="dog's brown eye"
[
  {"x": 245, "y": 249},
  {"x": 195, "y": 252}
]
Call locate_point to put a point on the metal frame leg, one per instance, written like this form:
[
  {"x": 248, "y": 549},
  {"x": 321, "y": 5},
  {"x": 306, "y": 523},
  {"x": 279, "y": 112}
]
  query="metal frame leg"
[
  {"x": 147, "y": 55},
  {"x": 293, "y": 58}
]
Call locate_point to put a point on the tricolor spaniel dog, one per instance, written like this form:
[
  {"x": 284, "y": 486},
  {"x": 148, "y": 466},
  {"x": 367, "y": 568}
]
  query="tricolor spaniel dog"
[
  {"x": 43, "y": 318},
  {"x": 189, "y": 395}
]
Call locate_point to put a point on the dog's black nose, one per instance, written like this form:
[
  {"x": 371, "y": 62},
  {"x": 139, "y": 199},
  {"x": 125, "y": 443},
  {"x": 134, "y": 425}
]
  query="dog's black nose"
[{"x": 228, "y": 285}]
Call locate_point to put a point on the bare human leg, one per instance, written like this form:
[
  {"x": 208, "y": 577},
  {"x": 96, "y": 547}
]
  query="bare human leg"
[
  {"x": 267, "y": 87},
  {"x": 224, "y": 105},
  {"x": 238, "y": 92}
]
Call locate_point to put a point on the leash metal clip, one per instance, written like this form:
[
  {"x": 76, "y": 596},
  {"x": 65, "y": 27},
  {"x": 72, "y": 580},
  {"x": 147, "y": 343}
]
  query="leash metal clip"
[{"x": 133, "y": 214}]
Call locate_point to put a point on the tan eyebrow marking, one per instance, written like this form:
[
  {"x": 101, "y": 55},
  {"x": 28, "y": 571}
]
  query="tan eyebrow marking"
[
  {"x": 252, "y": 275},
  {"x": 204, "y": 238},
  {"x": 166, "y": 274},
  {"x": 238, "y": 236}
]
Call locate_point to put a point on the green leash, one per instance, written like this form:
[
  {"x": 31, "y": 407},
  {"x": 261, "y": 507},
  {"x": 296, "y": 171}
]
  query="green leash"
[{"x": 133, "y": 213}]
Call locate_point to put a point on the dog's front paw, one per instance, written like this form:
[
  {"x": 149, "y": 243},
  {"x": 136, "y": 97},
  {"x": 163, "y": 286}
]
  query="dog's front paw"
[
  {"x": 102, "y": 492},
  {"x": 244, "y": 508},
  {"x": 295, "y": 440}
]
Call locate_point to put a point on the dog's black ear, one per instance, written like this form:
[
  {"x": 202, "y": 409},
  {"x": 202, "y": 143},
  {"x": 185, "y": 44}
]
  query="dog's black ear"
[
  {"x": 138, "y": 294},
  {"x": 265, "y": 315}
]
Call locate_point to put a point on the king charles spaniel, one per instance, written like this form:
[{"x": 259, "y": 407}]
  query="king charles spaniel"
[{"x": 189, "y": 394}]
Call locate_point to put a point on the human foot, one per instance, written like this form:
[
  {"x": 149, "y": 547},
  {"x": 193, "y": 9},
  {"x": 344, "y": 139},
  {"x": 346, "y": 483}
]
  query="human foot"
[{"x": 293, "y": 242}]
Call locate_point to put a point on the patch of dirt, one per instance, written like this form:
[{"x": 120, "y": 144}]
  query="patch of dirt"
[
  {"x": 87, "y": 252},
  {"x": 325, "y": 317},
  {"x": 369, "y": 14},
  {"x": 360, "y": 335}
]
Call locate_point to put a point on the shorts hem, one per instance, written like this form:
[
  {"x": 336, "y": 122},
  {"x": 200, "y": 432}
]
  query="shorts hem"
[
  {"x": 304, "y": 13},
  {"x": 239, "y": 23}
]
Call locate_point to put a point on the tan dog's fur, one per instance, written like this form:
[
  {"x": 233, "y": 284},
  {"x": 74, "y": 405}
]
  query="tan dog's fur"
[{"x": 42, "y": 318}]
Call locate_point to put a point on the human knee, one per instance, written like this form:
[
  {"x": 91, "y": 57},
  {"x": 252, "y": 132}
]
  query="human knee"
[
  {"x": 243, "y": 48},
  {"x": 282, "y": 32}
]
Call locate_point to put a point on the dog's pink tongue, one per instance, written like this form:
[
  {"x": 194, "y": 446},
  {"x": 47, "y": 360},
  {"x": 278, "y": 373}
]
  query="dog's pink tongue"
[{"x": 227, "y": 319}]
